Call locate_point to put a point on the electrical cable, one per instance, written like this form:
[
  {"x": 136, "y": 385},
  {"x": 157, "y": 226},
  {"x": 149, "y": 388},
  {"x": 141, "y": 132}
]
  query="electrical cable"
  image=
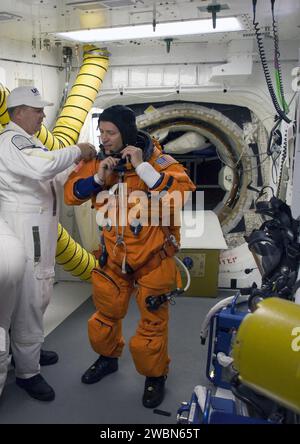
[
  {"x": 248, "y": 401},
  {"x": 256, "y": 166},
  {"x": 265, "y": 67},
  {"x": 67, "y": 59},
  {"x": 271, "y": 136},
  {"x": 186, "y": 271},
  {"x": 272, "y": 153},
  {"x": 294, "y": 95},
  {"x": 248, "y": 169},
  {"x": 217, "y": 307},
  {"x": 274, "y": 169},
  {"x": 277, "y": 66},
  {"x": 154, "y": 302},
  {"x": 283, "y": 158},
  {"x": 255, "y": 155}
]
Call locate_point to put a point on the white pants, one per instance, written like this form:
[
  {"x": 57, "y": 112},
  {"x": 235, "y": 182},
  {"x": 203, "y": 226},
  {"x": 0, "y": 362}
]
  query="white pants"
[
  {"x": 37, "y": 230},
  {"x": 12, "y": 265},
  {"x": 8, "y": 301}
]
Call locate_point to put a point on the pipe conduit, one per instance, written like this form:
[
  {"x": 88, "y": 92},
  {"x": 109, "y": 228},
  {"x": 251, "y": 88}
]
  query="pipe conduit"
[
  {"x": 79, "y": 101},
  {"x": 69, "y": 253},
  {"x": 4, "y": 117},
  {"x": 73, "y": 257}
]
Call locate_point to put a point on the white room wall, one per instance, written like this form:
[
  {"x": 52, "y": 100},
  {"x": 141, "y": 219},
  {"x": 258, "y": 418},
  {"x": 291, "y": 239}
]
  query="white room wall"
[{"x": 22, "y": 63}]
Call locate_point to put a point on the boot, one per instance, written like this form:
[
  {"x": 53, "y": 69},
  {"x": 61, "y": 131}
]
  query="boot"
[
  {"x": 48, "y": 357},
  {"x": 37, "y": 387},
  {"x": 102, "y": 367},
  {"x": 154, "y": 391}
]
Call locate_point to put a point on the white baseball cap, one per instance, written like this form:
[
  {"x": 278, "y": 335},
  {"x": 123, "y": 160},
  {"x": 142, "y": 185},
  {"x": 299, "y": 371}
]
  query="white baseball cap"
[{"x": 26, "y": 95}]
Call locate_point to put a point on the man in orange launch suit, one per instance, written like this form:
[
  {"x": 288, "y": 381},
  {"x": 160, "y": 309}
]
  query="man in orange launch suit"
[{"x": 135, "y": 255}]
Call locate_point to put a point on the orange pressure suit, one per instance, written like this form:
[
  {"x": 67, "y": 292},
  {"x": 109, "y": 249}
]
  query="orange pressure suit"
[{"x": 136, "y": 258}]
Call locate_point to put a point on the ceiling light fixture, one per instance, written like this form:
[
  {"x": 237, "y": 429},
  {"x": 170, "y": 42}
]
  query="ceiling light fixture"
[{"x": 170, "y": 29}]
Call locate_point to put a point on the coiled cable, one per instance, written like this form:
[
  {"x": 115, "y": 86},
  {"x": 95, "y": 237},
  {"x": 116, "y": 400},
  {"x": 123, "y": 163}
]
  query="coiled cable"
[
  {"x": 283, "y": 159},
  {"x": 265, "y": 67},
  {"x": 277, "y": 66}
]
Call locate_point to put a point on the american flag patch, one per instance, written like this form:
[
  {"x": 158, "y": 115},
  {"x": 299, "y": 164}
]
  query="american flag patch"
[{"x": 165, "y": 160}]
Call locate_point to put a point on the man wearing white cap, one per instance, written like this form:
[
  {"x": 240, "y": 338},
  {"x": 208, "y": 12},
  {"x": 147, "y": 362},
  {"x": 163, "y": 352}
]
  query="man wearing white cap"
[{"x": 28, "y": 204}]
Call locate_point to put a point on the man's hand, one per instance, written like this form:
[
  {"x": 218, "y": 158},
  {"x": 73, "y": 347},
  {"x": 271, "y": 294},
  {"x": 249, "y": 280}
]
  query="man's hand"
[
  {"x": 134, "y": 155},
  {"x": 88, "y": 151},
  {"x": 106, "y": 167}
]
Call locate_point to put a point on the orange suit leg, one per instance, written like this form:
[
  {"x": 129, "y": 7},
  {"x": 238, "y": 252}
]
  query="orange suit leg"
[
  {"x": 149, "y": 345},
  {"x": 111, "y": 296}
]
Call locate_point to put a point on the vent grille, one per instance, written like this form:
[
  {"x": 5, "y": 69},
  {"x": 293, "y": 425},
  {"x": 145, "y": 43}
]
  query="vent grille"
[
  {"x": 25, "y": 82},
  {"x": 92, "y": 4},
  {"x": 87, "y": 5},
  {"x": 117, "y": 3}
]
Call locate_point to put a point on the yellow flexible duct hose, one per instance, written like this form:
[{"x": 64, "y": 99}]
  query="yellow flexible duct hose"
[
  {"x": 4, "y": 117},
  {"x": 73, "y": 257},
  {"x": 79, "y": 101},
  {"x": 69, "y": 253}
]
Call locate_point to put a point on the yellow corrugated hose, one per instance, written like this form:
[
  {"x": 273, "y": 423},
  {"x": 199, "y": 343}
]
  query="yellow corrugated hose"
[
  {"x": 4, "y": 117},
  {"x": 79, "y": 101},
  {"x": 69, "y": 253},
  {"x": 72, "y": 256}
]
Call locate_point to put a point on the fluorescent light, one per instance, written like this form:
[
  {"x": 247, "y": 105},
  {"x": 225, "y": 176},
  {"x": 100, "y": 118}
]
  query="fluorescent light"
[{"x": 170, "y": 29}]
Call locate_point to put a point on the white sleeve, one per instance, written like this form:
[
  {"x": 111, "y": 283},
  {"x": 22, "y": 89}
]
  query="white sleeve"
[
  {"x": 62, "y": 177},
  {"x": 34, "y": 161},
  {"x": 147, "y": 173}
]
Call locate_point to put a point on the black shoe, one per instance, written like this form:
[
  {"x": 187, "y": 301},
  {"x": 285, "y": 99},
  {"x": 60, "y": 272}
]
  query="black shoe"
[
  {"x": 154, "y": 391},
  {"x": 102, "y": 367},
  {"x": 46, "y": 358},
  {"x": 37, "y": 388}
]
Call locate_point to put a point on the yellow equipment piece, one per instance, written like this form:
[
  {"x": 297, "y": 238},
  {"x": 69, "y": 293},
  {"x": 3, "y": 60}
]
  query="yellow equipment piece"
[
  {"x": 4, "y": 117},
  {"x": 73, "y": 257},
  {"x": 266, "y": 352},
  {"x": 69, "y": 253},
  {"x": 79, "y": 101}
]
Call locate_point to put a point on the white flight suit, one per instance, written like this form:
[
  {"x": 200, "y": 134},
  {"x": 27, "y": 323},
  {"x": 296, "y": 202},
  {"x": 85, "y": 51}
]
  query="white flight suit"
[
  {"x": 12, "y": 265},
  {"x": 28, "y": 203}
]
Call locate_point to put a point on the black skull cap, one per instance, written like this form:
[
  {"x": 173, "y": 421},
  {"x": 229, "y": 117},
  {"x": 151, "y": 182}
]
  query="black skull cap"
[{"x": 124, "y": 119}]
